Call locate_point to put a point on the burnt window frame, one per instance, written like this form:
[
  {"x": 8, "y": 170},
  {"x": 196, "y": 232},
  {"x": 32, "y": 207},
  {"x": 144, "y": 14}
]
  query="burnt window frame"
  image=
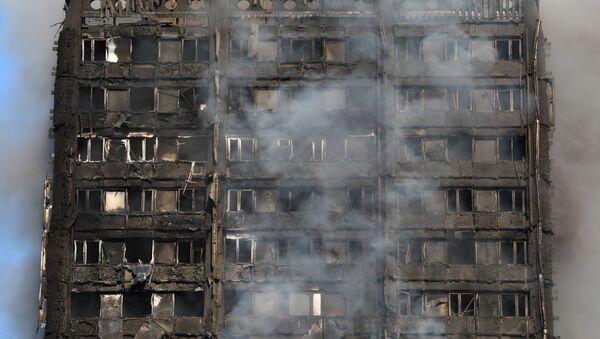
[
  {"x": 457, "y": 199},
  {"x": 510, "y": 41},
  {"x": 457, "y": 297},
  {"x": 198, "y": 57},
  {"x": 313, "y": 197},
  {"x": 93, "y": 54},
  {"x": 456, "y": 44},
  {"x": 461, "y": 244},
  {"x": 519, "y": 297},
  {"x": 195, "y": 192},
  {"x": 126, "y": 309},
  {"x": 411, "y": 250},
  {"x": 238, "y": 203},
  {"x": 83, "y": 246},
  {"x": 144, "y": 154},
  {"x": 145, "y": 60},
  {"x": 132, "y": 96},
  {"x": 240, "y": 141},
  {"x": 514, "y": 143},
  {"x": 415, "y": 303},
  {"x": 454, "y": 99},
  {"x": 352, "y": 57},
  {"x": 367, "y": 200},
  {"x": 89, "y": 104},
  {"x": 278, "y": 145},
  {"x": 402, "y": 48},
  {"x": 404, "y": 95},
  {"x": 143, "y": 201},
  {"x": 163, "y": 39},
  {"x": 515, "y": 192},
  {"x": 315, "y": 56},
  {"x": 95, "y": 306},
  {"x": 515, "y": 96},
  {"x": 514, "y": 246},
  {"x": 87, "y": 208},
  {"x": 237, "y": 260},
  {"x": 453, "y": 144},
  {"x": 195, "y": 245},
  {"x": 188, "y": 294},
  {"x": 89, "y": 145},
  {"x": 405, "y": 145}
]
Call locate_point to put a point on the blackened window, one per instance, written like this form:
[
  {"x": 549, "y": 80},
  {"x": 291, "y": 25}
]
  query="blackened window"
[
  {"x": 512, "y": 148},
  {"x": 190, "y": 251},
  {"x": 138, "y": 250},
  {"x": 142, "y": 99},
  {"x": 238, "y": 251},
  {"x": 460, "y": 147},
  {"x": 461, "y": 251},
  {"x": 136, "y": 305},
  {"x": 85, "y": 305},
  {"x": 91, "y": 99},
  {"x": 301, "y": 50},
  {"x": 192, "y": 200},
  {"x": 189, "y": 304},
  {"x": 197, "y": 50},
  {"x": 360, "y": 49},
  {"x": 462, "y": 304},
  {"x": 145, "y": 50},
  {"x": 460, "y": 200},
  {"x": 410, "y": 303}
]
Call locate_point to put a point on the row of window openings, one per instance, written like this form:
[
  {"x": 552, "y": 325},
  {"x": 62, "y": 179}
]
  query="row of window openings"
[
  {"x": 139, "y": 149},
  {"x": 351, "y": 50},
  {"x": 144, "y": 50},
  {"x": 354, "y": 148},
  {"x": 461, "y": 304},
  {"x": 138, "y": 250},
  {"x": 240, "y": 250},
  {"x": 462, "y": 147},
  {"x": 141, "y": 201},
  {"x": 457, "y": 50},
  {"x": 461, "y": 200},
  {"x": 459, "y": 100},
  {"x": 409, "y": 303},
  {"x": 300, "y": 199},
  {"x": 476, "y": 6},
  {"x": 310, "y": 303},
  {"x": 246, "y": 99},
  {"x": 143, "y": 99},
  {"x": 465, "y": 251},
  {"x": 90, "y": 305}
]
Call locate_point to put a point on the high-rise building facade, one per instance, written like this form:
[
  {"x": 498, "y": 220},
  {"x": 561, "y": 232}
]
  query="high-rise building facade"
[{"x": 300, "y": 169}]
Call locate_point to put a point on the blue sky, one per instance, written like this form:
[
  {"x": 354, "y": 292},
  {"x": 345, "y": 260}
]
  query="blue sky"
[{"x": 26, "y": 61}]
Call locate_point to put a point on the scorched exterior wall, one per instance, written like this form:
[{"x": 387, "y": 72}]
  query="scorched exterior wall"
[{"x": 268, "y": 169}]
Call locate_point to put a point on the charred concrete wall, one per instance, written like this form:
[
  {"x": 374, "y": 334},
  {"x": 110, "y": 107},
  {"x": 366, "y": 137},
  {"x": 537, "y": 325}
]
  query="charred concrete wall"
[{"x": 268, "y": 169}]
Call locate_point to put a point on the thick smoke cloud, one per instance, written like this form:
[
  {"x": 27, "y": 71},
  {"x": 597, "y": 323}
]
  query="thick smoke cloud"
[
  {"x": 572, "y": 27},
  {"x": 26, "y": 63}
]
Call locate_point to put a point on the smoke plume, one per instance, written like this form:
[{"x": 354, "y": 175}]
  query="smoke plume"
[
  {"x": 26, "y": 63},
  {"x": 573, "y": 28}
]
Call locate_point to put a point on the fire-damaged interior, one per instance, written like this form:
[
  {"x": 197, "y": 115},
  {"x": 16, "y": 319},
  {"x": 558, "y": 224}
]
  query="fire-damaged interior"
[{"x": 300, "y": 169}]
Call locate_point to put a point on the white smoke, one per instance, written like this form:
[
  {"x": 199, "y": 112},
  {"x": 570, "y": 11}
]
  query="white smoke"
[
  {"x": 572, "y": 27},
  {"x": 26, "y": 37}
]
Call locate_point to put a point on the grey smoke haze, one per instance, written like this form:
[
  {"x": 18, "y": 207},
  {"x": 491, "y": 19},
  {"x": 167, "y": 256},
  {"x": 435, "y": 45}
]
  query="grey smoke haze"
[
  {"x": 27, "y": 60},
  {"x": 572, "y": 27}
]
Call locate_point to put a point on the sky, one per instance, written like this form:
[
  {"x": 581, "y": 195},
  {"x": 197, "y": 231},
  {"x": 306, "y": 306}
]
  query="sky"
[{"x": 26, "y": 61}]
